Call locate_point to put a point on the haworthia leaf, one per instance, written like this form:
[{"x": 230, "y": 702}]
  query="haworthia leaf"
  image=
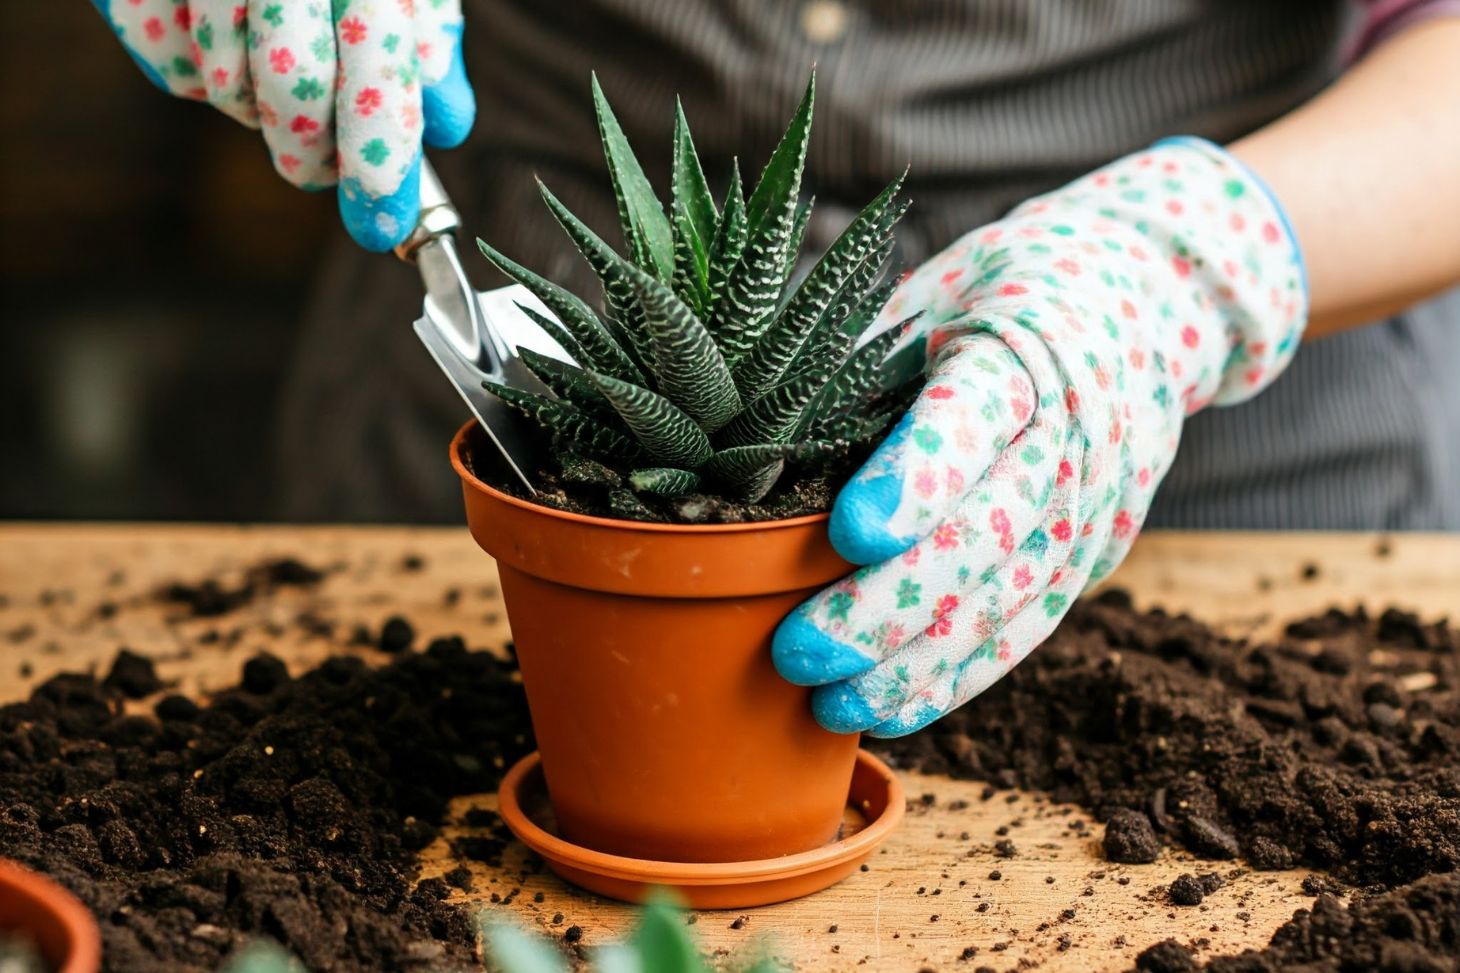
[
  {"x": 748, "y": 305},
  {"x": 771, "y": 357},
  {"x": 691, "y": 190},
  {"x": 625, "y": 315},
  {"x": 646, "y": 229},
  {"x": 604, "y": 354},
  {"x": 798, "y": 232},
  {"x": 855, "y": 428},
  {"x": 664, "y": 481},
  {"x": 586, "y": 433},
  {"x": 568, "y": 382},
  {"x": 781, "y": 179},
  {"x": 668, "y": 435},
  {"x": 774, "y": 416},
  {"x": 691, "y": 262},
  {"x": 559, "y": 334},
  {"x": 852, "y": 309},
  {"x": 688, "y": 366},
  {"x": 855, "y": 379},
  {"x": 729, "y": 239},
  {"x": 753, "y": 470}
]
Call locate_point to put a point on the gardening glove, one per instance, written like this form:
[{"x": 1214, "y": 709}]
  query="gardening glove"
[
  {"x": 345, "y": 91},
  {"x": 1065, "y": 344}
]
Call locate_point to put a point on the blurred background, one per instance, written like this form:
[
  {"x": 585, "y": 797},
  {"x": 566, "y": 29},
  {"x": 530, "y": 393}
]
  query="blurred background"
[{"x": 129, "y": 339}]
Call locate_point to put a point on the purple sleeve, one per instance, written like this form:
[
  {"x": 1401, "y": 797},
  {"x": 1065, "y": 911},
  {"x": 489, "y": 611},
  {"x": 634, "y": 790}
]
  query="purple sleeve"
[{"x": 1383, "y": 19}]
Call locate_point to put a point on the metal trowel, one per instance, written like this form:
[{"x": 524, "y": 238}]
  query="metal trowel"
[{"x": 474, "y": 335}]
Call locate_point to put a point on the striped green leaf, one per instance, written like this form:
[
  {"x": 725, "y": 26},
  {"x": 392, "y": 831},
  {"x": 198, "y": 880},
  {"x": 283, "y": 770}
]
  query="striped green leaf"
[
  {"x": 748, "y": 306},
  {"x": 774, "y": 416},
  {"x": 694, "y": 218},
  {"x": 729, "y": 240},
  {"x": 568, "y": 424},
  {"x": 664, "y": 481},
  {"x": 646, "y": 229},
  {"x": 771, "y": 357},
  {"x": 568, "y": 382},
  {"x": 689, "y": 368},
  {"x": 751, "y": 471},
  {"x": 602, "y": 352},
  {"x": 670, "y": 437},
  {"x": 851, "y": 311},
  {"x": 621, "y": 302},
  {"x": 781, "y": 180},
  {"x": 855, "y": 380}
]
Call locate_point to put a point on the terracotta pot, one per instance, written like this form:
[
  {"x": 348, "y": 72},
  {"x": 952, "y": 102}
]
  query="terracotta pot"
[
  {"x": 39, "y": 909},
  {"x": 664, "y": 730}
]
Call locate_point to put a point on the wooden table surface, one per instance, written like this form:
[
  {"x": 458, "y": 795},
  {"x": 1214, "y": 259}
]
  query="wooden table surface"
[{"x": 71, "y": 595}]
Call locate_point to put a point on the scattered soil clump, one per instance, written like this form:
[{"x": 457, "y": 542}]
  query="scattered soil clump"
[
  {"x": 1276, "y": 752},
  {"x": 286, "y": 808},
  {"x": 210, "y": 598},
  {"x": 1413, "y": 929},
  {"x": 132, "y": 675},
  {"x": 1130, "y": 839}
]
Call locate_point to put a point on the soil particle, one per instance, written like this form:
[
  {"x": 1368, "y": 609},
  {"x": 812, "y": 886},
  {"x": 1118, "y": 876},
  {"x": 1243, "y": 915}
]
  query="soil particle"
[
  {"x": 1318, "y": 884},
  {"x": 1005, "y": 848},
  {"x": 285, "y": 808},
  {"x": 573, "y": 934},
  {"x": 132, "y": 675},
  {"x": 1130, "y": 839},
  {"x": 264, "y": 673},
  {"x": 396, "y": 635},
  {"x": 1190, "y": 890}
]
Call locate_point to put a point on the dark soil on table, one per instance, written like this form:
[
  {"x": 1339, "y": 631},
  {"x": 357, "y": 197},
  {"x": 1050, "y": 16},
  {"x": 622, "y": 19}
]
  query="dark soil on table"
[
  {"x": 285, "y": 808},
  {"x": 1336, "y": 747},
  {"x": 293, "y": 808}
]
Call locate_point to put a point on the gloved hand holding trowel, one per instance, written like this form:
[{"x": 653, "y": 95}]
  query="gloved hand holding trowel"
[{"x": 344, "y": 94}]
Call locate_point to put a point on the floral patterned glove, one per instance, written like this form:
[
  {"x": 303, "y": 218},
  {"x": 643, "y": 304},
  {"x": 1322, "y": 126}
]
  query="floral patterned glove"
[
  {"x": 344, "y": 90},
  {"x": 1066, "y": 343}
]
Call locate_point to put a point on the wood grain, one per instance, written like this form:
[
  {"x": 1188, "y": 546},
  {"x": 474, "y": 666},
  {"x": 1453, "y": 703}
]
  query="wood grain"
[{"x": 72, "y": 595}]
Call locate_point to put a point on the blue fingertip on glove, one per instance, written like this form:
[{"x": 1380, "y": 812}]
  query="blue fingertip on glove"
[
  {"x": 858, "y": 527},
  {"x": 902, "y": 726},
  {"x": 449, "y": 106},
  {"x": 841, "y": 710},
  {"x": 378, "y": 223},
  {"x": 807, "y": 656}
]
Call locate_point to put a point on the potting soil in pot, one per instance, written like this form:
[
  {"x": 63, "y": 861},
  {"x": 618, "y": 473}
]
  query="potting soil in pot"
[{"x": 292, "y": 808}]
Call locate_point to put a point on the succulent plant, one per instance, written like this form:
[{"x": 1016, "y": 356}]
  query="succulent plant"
[{"x": 706, "y": 370}]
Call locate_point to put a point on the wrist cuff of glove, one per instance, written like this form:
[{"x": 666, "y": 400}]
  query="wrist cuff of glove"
[{"x": 1264, "y": 339}]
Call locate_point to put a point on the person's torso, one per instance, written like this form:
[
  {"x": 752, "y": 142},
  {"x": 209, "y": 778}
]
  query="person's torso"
[{"x": 989, "y": 102}]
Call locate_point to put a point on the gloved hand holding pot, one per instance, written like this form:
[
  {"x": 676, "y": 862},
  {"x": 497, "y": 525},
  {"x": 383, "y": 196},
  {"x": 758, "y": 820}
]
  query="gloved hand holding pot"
[{"x": 1034, "y": 378}]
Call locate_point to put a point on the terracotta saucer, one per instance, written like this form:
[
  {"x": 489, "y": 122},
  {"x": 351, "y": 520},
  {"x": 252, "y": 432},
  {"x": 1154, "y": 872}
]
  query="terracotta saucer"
[
  {"x": 60, "y": 926},
  {"x": 875, "y": 805}
]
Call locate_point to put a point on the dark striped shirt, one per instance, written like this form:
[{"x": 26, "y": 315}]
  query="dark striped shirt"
[{"x": 990, "y": 102}]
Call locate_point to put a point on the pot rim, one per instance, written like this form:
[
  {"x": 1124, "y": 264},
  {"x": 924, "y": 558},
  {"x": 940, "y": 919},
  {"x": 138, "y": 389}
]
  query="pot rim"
[{"x": 458, "y": 462}]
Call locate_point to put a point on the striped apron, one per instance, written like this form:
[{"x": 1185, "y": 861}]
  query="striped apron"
[{"x": 990, "y": 101}]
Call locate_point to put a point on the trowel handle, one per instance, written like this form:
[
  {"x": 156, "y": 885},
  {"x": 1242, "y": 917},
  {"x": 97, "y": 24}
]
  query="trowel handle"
[{"x": 438, "y": 217}]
